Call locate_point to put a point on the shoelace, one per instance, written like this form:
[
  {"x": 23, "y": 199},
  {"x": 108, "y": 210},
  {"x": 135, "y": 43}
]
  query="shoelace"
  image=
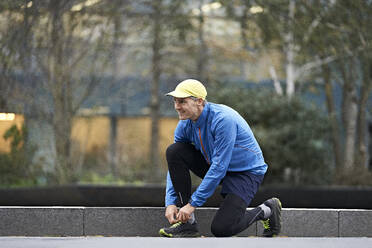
[
  {"x": 266, "y": 224},
  {"x": 176, "y": 224}
]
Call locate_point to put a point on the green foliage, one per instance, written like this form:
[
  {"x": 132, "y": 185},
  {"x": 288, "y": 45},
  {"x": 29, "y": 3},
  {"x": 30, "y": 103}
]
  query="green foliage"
[
  {"x": 292, "y": 134},
  {"x": 16, "y": 168},
  {"x": 355, "y": 176}
]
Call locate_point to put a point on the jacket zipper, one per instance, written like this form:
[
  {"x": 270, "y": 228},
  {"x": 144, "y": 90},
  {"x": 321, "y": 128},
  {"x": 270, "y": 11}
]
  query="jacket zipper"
[{"x": 201, "y": 143}]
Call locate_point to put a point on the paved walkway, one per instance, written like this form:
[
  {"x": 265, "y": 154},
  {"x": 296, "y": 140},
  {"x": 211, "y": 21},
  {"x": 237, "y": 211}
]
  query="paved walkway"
[{"x": 140, "y": 242}]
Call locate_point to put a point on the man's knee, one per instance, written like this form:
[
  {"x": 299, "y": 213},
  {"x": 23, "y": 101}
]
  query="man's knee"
[
  {"x": 174, "y": 150},
  {"x": 171, "y": 150},
  {"x": 227, "y": 221},
  {"x": 220, "y": 229}
]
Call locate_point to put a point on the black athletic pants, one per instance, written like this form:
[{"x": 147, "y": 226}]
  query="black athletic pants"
[{"x": 232, "y": 217}]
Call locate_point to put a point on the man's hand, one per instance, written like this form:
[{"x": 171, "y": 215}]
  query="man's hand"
[
  {"x": 185, "y": 213},
  {"x": 171, "y": 213}
]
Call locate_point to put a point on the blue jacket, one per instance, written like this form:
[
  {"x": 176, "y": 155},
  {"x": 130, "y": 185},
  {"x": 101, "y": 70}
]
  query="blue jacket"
[{"x": 227, "y": 144}]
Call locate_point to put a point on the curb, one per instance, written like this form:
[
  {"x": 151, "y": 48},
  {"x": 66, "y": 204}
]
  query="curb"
[{"x": 146, "y": 222}]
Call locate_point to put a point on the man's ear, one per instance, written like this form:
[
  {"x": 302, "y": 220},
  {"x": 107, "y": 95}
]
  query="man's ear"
[{"x": 200, "y": 101}]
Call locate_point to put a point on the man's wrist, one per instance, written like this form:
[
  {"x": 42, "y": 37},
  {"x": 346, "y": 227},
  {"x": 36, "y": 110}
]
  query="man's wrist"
[
  {"x": 192, "y": 203},
  {"x": 169, "y": 204}
]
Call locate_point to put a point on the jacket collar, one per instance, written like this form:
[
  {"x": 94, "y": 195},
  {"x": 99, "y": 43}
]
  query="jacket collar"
[{"x": 203, "y": 116}]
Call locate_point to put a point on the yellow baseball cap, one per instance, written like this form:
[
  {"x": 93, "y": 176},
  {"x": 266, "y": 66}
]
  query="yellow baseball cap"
[{"x": 189, "y": 87}]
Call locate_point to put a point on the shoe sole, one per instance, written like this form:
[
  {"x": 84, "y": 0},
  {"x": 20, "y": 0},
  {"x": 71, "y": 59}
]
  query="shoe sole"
[{"x": 162, "y": 233}]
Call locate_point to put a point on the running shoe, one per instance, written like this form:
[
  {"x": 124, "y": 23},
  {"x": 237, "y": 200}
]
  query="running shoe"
[
  {"x": 272, "y": 225},
  {"x": 180, "y": 230}
]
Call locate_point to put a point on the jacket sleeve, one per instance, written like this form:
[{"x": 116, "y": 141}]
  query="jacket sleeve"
[
  {"x": 180, "y": 134},
  {"x": 225, "y": 135}
]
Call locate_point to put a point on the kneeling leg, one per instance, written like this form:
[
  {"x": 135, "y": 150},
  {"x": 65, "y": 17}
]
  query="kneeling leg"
[{"x": 232, "y": 217}]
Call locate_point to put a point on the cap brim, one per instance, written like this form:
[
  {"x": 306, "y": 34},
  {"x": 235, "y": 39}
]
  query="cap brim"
[{"x": 178, "y": 94}]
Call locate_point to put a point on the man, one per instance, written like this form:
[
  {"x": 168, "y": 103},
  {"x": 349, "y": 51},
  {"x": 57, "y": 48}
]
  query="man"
[{"x": 216, "y": 144}]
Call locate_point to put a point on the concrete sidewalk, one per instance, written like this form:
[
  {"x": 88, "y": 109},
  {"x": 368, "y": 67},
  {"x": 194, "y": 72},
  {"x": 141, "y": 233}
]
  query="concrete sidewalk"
[
  {"x": 146, "y": 221},
  {"x": 106, "y": 242}
]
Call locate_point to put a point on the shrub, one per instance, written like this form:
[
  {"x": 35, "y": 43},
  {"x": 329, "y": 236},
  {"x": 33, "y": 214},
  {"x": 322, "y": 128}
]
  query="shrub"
[
  {"x": 16, "y": 168},
  {"x": 292, "y": 133}
]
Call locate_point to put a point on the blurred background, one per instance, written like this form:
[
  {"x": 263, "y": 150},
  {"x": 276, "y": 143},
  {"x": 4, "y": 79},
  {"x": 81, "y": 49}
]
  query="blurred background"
[{"x": 82, "y": 86}]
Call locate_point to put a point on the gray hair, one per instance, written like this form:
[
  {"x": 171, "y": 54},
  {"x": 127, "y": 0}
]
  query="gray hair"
[{"x": 195, "y": 99}]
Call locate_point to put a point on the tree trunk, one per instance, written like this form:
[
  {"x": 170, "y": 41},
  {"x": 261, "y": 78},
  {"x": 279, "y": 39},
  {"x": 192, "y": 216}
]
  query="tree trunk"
[
  {"x": 362, "y": 135},
  {"x": 112, "y": 146},
  {"x": 244, "y": 38},
  {"x": 350, "y": 111},
  {"x": 62, "y": 132},
  {"x": 277, "y": 85},
  {"x": 336, "y": 141},
  {"x": 290, "y": 71},
  {"x": 113, "y": 159},
  {"x": 203, "y": 49},
  {"x": 290, "y": 52},
  {"x": 61, "y": 91},
  {"x": 155, "y": 104}
]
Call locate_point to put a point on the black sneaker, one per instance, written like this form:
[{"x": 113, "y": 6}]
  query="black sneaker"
[
  {"x": 272, "y": 225},
  {"x": 180, "y": 230}
]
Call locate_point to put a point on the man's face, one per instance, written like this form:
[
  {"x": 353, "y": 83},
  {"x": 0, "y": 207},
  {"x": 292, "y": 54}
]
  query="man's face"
[{"x": 187, "y": 108}]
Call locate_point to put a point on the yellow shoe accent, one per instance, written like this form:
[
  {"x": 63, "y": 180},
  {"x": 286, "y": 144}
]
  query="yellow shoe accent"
[
  {"x": 164, "y": 234},
  {"x": 280, "y": 203},
  {"x": 176, "y": 224},
  {"x": 266, "y": 224}
]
